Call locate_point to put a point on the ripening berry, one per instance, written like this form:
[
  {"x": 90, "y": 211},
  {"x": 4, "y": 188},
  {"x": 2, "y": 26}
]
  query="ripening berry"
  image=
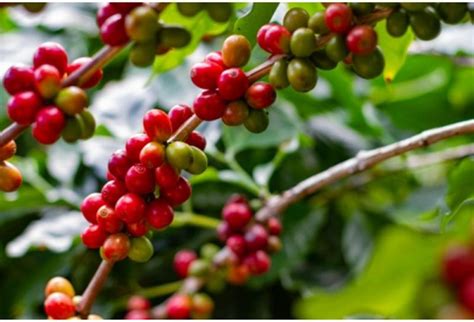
[
  {"x": 139, "y": 179},
  {"x": 166, "y": 176},
  {"x": 130, "y": 208},
  {"x": 237, "y": 244},
  {"x": 466, "y": 293},
  {"x": 362, "y": 40},
  {"x": 90, "y": 205},
  {"x": 216, "y": 58},
  {"x": 179, "y": 155},
  {"x": 51, "y": 53},
  {"x": 137, "y": 302},
  {"x": 237, "y": 215},
  {"x": 179, "y": 306},
  {"x": 178, "y": 194},
  {"x": 152, "y": 155},
  {"x": 197, "y": 139},
  {"x": 258, "y": 263},
  {"x": 137, "y": 229},
  {"x": 338, "y": 17},
  {"x": 47, "y": 81},
  {"x": 256, "y": 237},
  {"x": 274, "y": 244},
  {"x": 179, "y": 114},
  {"x": 295, "y": 18},
  {"x": 203, "y": 306},
  {"x": 159, "y": 214},
  {"x": 238, "y": 274},
  {"x": 209, "y": 105},
  {"x": 260, "y": 95},
  {"x": 93, "y": 80},
  {"x": 8, "y": 150},
  {"x": 236, "y": 51},
  {"x": 182, "y": 260},
  {"x": 112, "y": 191},
  {"x": 61, "y": 285},
  {"x": 22, "y": 107},
  {"x": 18, "y": 78},
  {"x": 49, "y": 123},
  {"x": 105, "y": 11},
  {"x": 71, "y": 100},
  {"x": 205, "y": 75},
  {"x": 108, "y": 220},
  {"x": 116, "y": 247},
  {"x": 277, "y": 40},
  {"x": 458, "y": 264},
  {"x": 369, "y": 66},
  {"x": 232, "y": 84},
  {"x": 10, "y": 177},
  {"x": 141, "y": 24},
  {"x": 157, "y": 125},
  {"x": 135, "y": 145},
  {"x": 236, "y": 113},
  {"x": 93, "y": 236},
  {"x": 112, "y": 31},
  {"x": 59, "y": 306},
  {"x": 274, "y": 226},
  {"x": 141, "y": 249},
  {"x": 119, "y": 163}
]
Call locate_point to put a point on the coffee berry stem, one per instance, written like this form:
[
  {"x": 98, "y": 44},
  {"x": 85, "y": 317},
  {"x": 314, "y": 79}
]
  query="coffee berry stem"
[
  {"x": 160, "y": 290},
  {"x": 189, "y": 218}
]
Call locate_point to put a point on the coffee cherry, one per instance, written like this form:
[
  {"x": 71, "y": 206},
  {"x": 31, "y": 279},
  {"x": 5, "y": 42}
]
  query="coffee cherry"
[
  {"x": 321, "y": 60},
  {"x": 72, "y": 100},
  {"x": 260, "y": 95},
  {"x": 134, "y": 146},
  {"x": 112, "y": 191},
  {"x": 182, "y": 260},
  {"x": 208, "y": 251},
  {"x": 274, "y": 226},
  {"x": 53, "y": 54},
  {"x": 261, "y": 36},
  {"x": 235, "y": 113},
  {"x": 362, "y": 40},
  {"x": 142, "y": 54},
  {"x": 90, "y": 205},
  {"x": 219, "y": 11},
  {"x": 336, "y": 49},
  {"x": 369, "y": 66},
  {"x": 179, "y": 307},
  {"x": 18, "y": 78},
  {"x": 119, "y": 164},
  {"x": 451, "y": 13},
  {"x": 116, "y": 247},
  {"x": 257, "y": 121},
  {"x": 202, "y": 306},
  {"x": 205, "y": 75},
  {"x": 104, "y": 12},
  {"x": 159, "y": 214},
  {"x": 338, "y": 18},
  {"x": 178, "y": 115},
  {"x": 137, "y": 229},
  {"x": 166, "y": 176},
  {"x": 457, "y": 264},
  {"x": 278, "y": 74},
  {"x": 197, "y": 139},
  {"x": 209, "y": 105},
  {"x": 34, "y": 7},
  {"x": 141, "y": 250},
  {"x": 141, "y": 24},
  {"x": 93, "y": 236},
  {"x": 317, "y": 23},
  {"x": 199, "y": 161},
  {"x": 7, "y": 151},
  {"x": 237, "y": 215},
  {"x": 74, "y": 129},
  {"x": 130, "y": 208},
  {"x": 88, "y": 121},
  {"x": 238, "y": 275},
  {"x": 302, "y": 75},
  {"x": 425, "y": 24},
  {"x": 466, "y": 293},
  {"x": 256, "y": 237},
  {"x": 157, "y": 125},
  {"x": 140, "y": 180},
  {"x": 174, "y": 37},
  {"x": 277, "y": 40},
  {"x": 59, "y": 306},
  {"x": 22, "y": 107},
  {"x": 199, "y": 268},
  {"x": 47, "y": 81},
  {"x": 397, "y": 23},
  {"x": 125, "y": 7},
  {"x": 179, "y": 155},
  {"x": 108, "y": 220},
  {"x": 410, "y": 6},
  {"x": 216, "y": 58},
  {"x": 224, "y": 231},
  {"x": 189, "y": 9},
  {"x": 137, "y": 315},
  {"x": 237, "y": 198},
  {"x": 152, "y": 155},
  {"x": 112, "y": 31},
  {"x": 274, "y": 244},
  {"x": 237, "y": 244},
  {"x": 61, "y": 285},
  {"x": 178, "y": 194},
  {"x": 93, "y": 80},
  {"x": 236, "y": 51},
  {"x": 295, "y": 18},
  {"x": 303, "y": 42},
  {"x": 232, "y": 84},
  {"x": 49, "y": 123},
  {"x": 137, "y": 302},
  {"x": 361, "y": 8},
  {"x": 258, "y": 263}
]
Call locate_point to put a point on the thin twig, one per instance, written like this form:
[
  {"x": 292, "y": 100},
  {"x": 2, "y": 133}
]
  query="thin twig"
[{"x": 11, "y": 133}]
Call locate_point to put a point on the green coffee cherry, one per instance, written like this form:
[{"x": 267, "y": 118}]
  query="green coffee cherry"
[
  {"x": 179, "y": 155},
  {"x": 411, "y": 6},
  {"x": 199, "y": 268},
  {"x": 208, "y": 251},
  {"x": 317, "y": 23},
  {"x": 219, "y": 11},
  {"x": 369, "y": 66},
  {"x": 141, "y": 24},
  {"x": 397, "y": 23},
  {"x": 71, "y": 100},
  {"x": 278, "y": 74},
  {"x": 174, "y": 37},
  {"x": 302, "y": 75},
  {"x": 141, "y": 249},
  {"x": 189, "y": 9},
  {"x": 295, "y": 18},
  {"x": 303, "y": 42},
  {"x": 257, "y": 121},
  {"x": 321, "y": 60},
  {"x": 336, "y": 48},
  {"x": 199, "y": 162},
  {"x": 73, "y": 130},
  {"x": 143, "y": 54},
  {"x": 425, "y": 24},
  {"x": 451, "y": 13},
  {"x": 89, "y": 124},
  {"x": 361, "y": 8}
]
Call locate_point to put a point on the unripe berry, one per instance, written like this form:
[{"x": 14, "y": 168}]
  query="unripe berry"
[
  {"x": 317, "y": 23},
  {"x": 237, "y": 215},
  {"x": 338, "y": 17},
  {"x": 157, "y": 125},
  {"x": 336, "y": 48},
  {"x": 93, "y": 236},
  {"x": 209, "y": 105},
  {"x": 232, "y": 84},
  {"x": 236, "y": 51},
  {"x": 174, "y": 37},
  {"x": 141, "y": 24},
  {"x": 321, "y": 60},
  {"x": 425, "y": 24},
  {"x": 199, "y": 163},
  {"x": 90, "y": 205},
  {"x": 235, "y": 113},
  {"x": 362, "y": 40},
  {"x": 278, "y": 74},
  {"x": 178, "y": 194},
  {"x": 108, "y": 220},
  {"x": 295, "y": 18},
  {"x": 130, "y": 208},
  {"x": 397, "y": 23},
  {"x": 216, "y": 58},
  {"x": 59, "y": 306},
  {"x": 141, "y": 250},
  {"x": 119, "y": 164},
  {"x": 179, "y": 307},
  {"x": 237, "y": 244},
  {"x": 105, "y": 11},
  {"x": 140, "y": 179},
  {"x": 152, "y": 155},
  {"x": 18, "y": 78},
  {"x": 137, "y": 302},
  {"x": 22, "y": 107},
  {"x": 303, "y": 42},
  {"x": 112, "y": 31},
  {"x": 74, "y": 130},
  {"x": 260, "y": 95},
  {"x": 205, "y": 75},
  {"x": 199, "y": 268},
  {"x": 159, "y": 214},
  {"x": 166, "y": 176},
  {"x": 302, "y": 75},
  {"x": 50, "y": 53},
  {"x": 112, "y": 191},
  {"x": 182, "y": 260},
  {"x": 116, "y": 247},
  {"x": 179, "y": 155},
  {"x": 72, "y": 100},
  {"x": 458, "y": 264},
  {"x": 89, "y": 123},
  {"x": 361, "y": 8},
  {"x": 277, "y": 40},
  {"x": 8, "y": 150},
  {"x": 197, "y": 139},
  {"x": 208, "y": 251},
  {"x": 219, "y": 11},
  {"x": 61, "y": 285},
  {"x": 452, "y": 13},
  {"x": 258, "y": 262},
  {"x": 138, "y": 229},
  {"x": 189, "y": 9},
  {"x": 369, "y": 66},
  {"x": 256, "y": 237},
  {"x": 135, "y": 145},
  {"x": 93, "y": 80},
  {"x": 257, "y": 121},
  {"x": 179, "y": 114}
]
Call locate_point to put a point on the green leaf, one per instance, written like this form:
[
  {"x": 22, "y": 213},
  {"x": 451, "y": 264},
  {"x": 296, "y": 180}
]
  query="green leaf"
[
  {"x": 395, "y": 50},
  {"x": 460, "y": 185},
  {"x": 249, "y": 24},
  {"x": 460, "y": 221}
]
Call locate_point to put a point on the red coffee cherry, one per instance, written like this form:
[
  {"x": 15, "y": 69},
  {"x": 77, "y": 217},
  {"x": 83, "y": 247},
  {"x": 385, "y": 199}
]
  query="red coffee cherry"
[
  {"x": 137, "y": 302},
  {"x": 178, "y": 115},
  {"x": 119, "y": 163},
  {"x": 137, "y": 229},
  {"x": 51, "y": 53},
  {"x": 362, "y": 40},
  {"x": 205, "y": 75},
  {"x": 152, "y": 155},
  {"x": 166, "y": 176},
  {"x": 130, "y": 208},
  {"x": 18, "y": 78},
  {"x": 104, "y": 12},
  {"x": 179, "y": 307},
  {"x": 135, "y": 145},
  {"x": 108, "y": 220},
  {"x": 458, "y": 264},
  {"x": 59, "y": 306},
  {"x": 47, "y": 81},
  {"x": 277, "y": 40},
  {"x": 256, "y": 237},
  {"x": 93, "y": 236},
  {"x": 260, "y": 95},
  {"x": 137, "y": 315},
  {"x": 112, "y": 191},
  {"x": 261, "y": 36},
  {"x": 197, "y": 139},
  {"x": 93, "y": 80},
  {"x": 125, "y": 7},
  {"x": 232, "y": 84},
  {"x": 338, "y": 18},
  {"x": 61, "y": 285},
  {"x": 112, "y": 31},
  {"x": 157, "y": 125},
  {"x": 159, "y": 214},
  {"x": 236, "y": 198},
  {"x": 466, "y": 293},
  {"x": 49, "y": 123},
  {"x": 90, "y": 205},
  {"x": 274, "y": 226},
  {"x": 182, "y": 260},
  {"x": 237, "y": 244},
  {"x": 258, "y": 263},
  {"x": 216, "y": 58},
  {"x": 140, "y": 179},
  {"x": 237, "y": 215},
  {"x": 22, "y": 107},
  {"x": 178, "y": 194},
  {"x": 224, "y": 231},
  {"x": 116, "y": 247},
  {"x": 209, "y": 105}
]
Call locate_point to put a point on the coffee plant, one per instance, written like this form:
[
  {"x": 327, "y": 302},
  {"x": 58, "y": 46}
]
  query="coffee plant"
[{"x": 137, "y": 202}]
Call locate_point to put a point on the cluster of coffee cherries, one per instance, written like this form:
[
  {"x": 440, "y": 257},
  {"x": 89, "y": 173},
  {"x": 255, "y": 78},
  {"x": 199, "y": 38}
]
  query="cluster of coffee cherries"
[
  {"x": 10, "y": 176},
  {"x": 38, "y": 98},
  {"x": 423, "y": 18},
  {"x": 144, "y": 185},
  {"x": 120, "y": 23},
  {"x": 61, "y": 300},
  {"x": 217, "y": 11},
  {"x": 229, "y": 94},
  {"x": 32, "y": 7}
]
